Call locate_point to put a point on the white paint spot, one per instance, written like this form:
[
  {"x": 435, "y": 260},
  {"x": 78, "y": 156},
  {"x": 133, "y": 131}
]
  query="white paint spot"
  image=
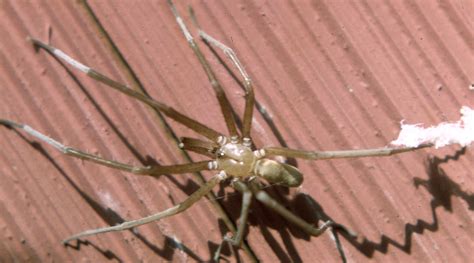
[{"x": 443, "y": 134}]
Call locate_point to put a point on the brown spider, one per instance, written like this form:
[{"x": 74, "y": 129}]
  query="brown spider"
[{"x": 233, "y": 156}]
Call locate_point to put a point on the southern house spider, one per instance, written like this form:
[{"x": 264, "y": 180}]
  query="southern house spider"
[{"x": 233, "y": 156}]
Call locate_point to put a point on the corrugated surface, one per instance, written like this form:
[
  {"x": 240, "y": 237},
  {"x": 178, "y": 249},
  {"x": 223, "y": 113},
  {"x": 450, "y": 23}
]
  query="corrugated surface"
[{"x": 333, "y": 74}]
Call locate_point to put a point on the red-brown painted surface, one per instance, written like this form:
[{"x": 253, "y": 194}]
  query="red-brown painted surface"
[{"x": 332, "y": 74}]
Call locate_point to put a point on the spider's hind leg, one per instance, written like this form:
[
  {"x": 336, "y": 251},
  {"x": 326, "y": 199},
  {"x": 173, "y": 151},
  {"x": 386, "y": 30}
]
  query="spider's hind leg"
[
  {"x": 193, "y": 198},
  {"x": 267, "y": 200},
  {"x": 236, "y": 240}
]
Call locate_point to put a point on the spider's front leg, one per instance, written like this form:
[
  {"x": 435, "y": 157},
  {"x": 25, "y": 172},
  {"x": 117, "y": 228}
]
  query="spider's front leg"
[
  {"x": 247, "y": 81},
  {"x": 226, "y": 108},
  {"x": 159, "y": 106},
  {"x": 224, "y": 103}
]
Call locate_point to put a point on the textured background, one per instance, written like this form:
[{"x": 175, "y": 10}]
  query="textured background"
[{"x": 333, "y": 74}]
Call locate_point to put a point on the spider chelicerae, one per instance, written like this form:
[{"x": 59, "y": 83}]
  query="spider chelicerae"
[{"x": 233, "y": 156}]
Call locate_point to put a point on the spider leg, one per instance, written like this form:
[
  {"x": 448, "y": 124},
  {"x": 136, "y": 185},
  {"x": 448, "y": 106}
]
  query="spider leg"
[
  {"x": 248, "y": 85},
  {"x": 193, "y": 198},
  {"x": 140, "y": 170},
  {"x": 265, "y": 198},
  {"x": 224, "y": 103},
  {"x": 165, "y": 109},
  {"x": 321, "y": 155},
  {"x": 236, "y": 240},
  {"x": 244, "y": 213},
  {"x": 199, "y": 146}
]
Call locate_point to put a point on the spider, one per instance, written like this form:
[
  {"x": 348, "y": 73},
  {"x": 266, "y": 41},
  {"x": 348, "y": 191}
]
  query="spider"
[{"x": 233, "y": 156}]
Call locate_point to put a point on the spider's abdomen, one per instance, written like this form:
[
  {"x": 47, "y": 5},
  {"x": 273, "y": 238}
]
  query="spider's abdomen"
[
  {"x": 278, "y": 173},
  {"x": 236, "y": 159}
]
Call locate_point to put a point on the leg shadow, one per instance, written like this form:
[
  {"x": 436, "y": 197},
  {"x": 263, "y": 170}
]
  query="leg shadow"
[{"x": 441, "y": 188}]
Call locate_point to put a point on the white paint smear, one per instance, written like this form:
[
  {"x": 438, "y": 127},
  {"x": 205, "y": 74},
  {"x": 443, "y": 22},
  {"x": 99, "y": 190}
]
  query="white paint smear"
[{"x": 445, "y": 133}]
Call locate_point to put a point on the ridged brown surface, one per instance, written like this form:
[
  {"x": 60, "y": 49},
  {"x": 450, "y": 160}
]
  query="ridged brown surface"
[{"x": 332, "y": 74}]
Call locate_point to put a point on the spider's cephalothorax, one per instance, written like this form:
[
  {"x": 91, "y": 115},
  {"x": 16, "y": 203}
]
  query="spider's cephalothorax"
[{"x": 236, "y": 158}]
